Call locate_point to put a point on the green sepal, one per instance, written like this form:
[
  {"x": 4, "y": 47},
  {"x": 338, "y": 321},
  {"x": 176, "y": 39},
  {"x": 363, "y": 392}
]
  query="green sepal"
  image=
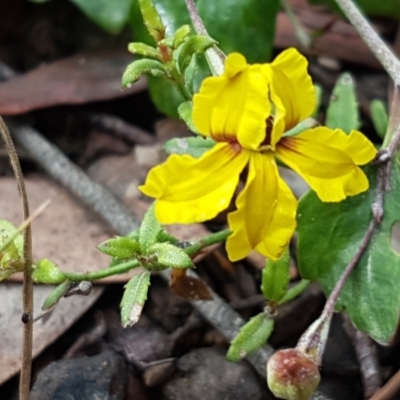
[
  {"x": 318, "y": 99},
  {"x": 343, "y": 110},
  {"x": 135, "y": 295},
  {"x": 194, "y": 146},
  {"x": 276, "y": 277},
  {"x": 302, "y": 126},
  {"x": 379, "y": 117},
  {"x": 120, "y": 247},
  {"x": 168, "y": 256},
  {"x": 197, "y": 44},
  {"x": 252, "y": 336},
  {"x": 47, "y": 272},
  {"x": 180, "y": 35},
  {"x": 185, "y": 111},
  {"x": 139, "y": 67},
  {"x": 164, "y": 236},
  {"x": 152, "y": 20},
  {"x": 294, "y": 291},
  {"x": 149, "y": 230},
  {"x": 54, "y": 297},
  {"x": 144, "y": 50}
]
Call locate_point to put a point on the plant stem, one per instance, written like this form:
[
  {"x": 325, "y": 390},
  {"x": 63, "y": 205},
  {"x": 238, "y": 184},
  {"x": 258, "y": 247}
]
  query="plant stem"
[
  {"x": 215, "y": 57},
  {"x": 380, "y": 49},
  {"x": 27, "y": 289}
]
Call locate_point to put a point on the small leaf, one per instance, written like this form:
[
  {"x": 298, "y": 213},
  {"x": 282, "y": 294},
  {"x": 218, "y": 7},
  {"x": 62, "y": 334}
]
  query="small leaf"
[
  {"x": 15, "y": 248},
  {"x": 144, "y": 50},
  {"x": 193, "y": 45},
  {"x": 47, "y": 272},
  {"x": 380, "y": 117},
  {"x": 120, "y": 247},
  {"x": 180, "y": 35},
  {"x": 188, "y": 287},
  {"x": 145, "y": 66},
  {"x": 164, "y": 236},
  {"x": 54, "y": 297},
  {"x": 152, "y": 20},
  {"x": 295, "y": 291},
  {"x": 342, "y": 112},
  {"x": 170, "y": 256},
  {"x": 275, "y": 277},
  {"x": 149, "y": 230},
  {"x": 185, "y": 111},
  {"x": 194, "y": 146},
  {"x": 251, "y": 337},
  {"x": 135, "y": 295}
]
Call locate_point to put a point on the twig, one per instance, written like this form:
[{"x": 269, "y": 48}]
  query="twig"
[
  {"x": 389, "y": 390},
  {"x": 367, "y": 358},
  {"x": 27, "y": 289},
  {"x": 378, "y": 47}
]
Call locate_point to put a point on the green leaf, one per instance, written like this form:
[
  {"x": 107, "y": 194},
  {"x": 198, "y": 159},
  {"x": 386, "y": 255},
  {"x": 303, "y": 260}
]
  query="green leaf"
[
  {"x": 54, "y": 297},
  {"x": 224, "y": 20},
  {"x": 252, "y": 336},
  {"x": 169, "y": 256},
  {"x": 275, "y": 277},
  {"x": 139, "y": 67},
  {"x": 194, "y": 146},
  {"x": 380, "y": 117},
  {"x": 294, "y": 291},
  {"x": 47, "y": 272},
  {"x": 135, "y": 295},
  {"x": 152, "y": 20},
  {"x": 185, "y": 111},
  {"x": 120, "y": 247},
  {"x": 193, "y": 45},
  {"x": 112, "y": 16},
  {"x": 180, "y": 35},
  {"x": 342, "y": 111},
  {"x": 329, "y": 234},
  {"x": 144, "y": 50},
  {"x": 164, "y": 236},
  {"x": 149, "y": 230},
  {"x": 15, "y": 249}
]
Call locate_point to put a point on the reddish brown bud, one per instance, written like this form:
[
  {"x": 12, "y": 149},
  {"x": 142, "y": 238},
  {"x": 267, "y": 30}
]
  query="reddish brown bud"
[{"x": 292, "y": 375}]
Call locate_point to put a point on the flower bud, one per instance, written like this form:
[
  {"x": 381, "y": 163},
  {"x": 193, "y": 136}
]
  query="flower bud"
[{"x": 292, "y": 375}]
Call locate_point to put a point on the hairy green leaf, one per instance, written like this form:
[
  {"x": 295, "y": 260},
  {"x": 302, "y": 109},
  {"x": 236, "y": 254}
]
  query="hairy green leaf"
[
  {"x": 380, "y": 117},
  {"x": 194, "y": 146},
  {"x": 252, "y": 336},
  {"x": 139, "y": 67},
  {"x": 45, "y": 271},
  {"x": 135, "y": 295},
  {"x": 120, "y": 247},
  {"x": 149, "y": 230},
  {"x": 170, "y": 256}
]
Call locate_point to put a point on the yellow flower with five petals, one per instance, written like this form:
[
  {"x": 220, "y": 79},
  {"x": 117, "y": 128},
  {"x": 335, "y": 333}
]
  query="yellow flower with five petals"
[{"x": 247, "y": 110}]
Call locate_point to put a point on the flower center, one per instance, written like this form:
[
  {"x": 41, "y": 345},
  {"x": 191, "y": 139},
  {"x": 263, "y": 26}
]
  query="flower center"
[{"x": 266, "y": 143}]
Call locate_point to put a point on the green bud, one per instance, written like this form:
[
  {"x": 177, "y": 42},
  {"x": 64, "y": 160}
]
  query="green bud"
[
  {"x": 135, "y": 295},
  {"x": 180, "y": 35},
  {"x": 120, "y": 247},
  {"x": 146, "y": 66},
  {"x": 144, "y": 50},
  {"x": 193, "y": 45},
  {"x": 47, "y": 272},
  {"x": 54, "y": 297},
  {"x": 152, "y": 20}
]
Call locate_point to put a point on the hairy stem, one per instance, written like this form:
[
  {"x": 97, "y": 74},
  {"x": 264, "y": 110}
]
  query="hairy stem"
[{"x": 27, "y": 297}]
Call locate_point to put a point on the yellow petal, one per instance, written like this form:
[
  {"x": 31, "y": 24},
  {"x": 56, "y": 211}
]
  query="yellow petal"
[
  {"x": 265, "y": 215},
  {"x": 234, "y": 106},
  {"x": 327, "y": 160},
  {"x": 292, "y": 91},
  {"x": 189, "y": 189}
]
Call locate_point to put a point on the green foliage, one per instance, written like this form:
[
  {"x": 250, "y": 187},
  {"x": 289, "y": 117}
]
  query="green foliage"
[
  {"x": 120, "y": 247},
  {"x": 55, "y": 296},
  {"x": 136, "y": 69},
  {"x": 255, "y": 42},
  {"x": 275, "y": 277},
  {"x": 135, "y": 295},
  {"x": 380, "y": 117},
  {"x": 151, "y": 19},
  {"x": 194, "y": 146},
  {"x": 185, "y": 113},
  {"x": 45, "y": 271},
  {"x": 343, "y": 111},
  {"x": 112, "y": 16},
  {"x": 386, "y": 8},
  {"x": 329, "y": 236},
  {"x": 252, "y": 336},
  {"x": 169, "y": 256},
  {"x": 294, "y": 291},
  {"x": 149, "y": 230}
]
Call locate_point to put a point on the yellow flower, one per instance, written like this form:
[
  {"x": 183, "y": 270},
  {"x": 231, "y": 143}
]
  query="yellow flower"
[{"x": 246, "y": 110}]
